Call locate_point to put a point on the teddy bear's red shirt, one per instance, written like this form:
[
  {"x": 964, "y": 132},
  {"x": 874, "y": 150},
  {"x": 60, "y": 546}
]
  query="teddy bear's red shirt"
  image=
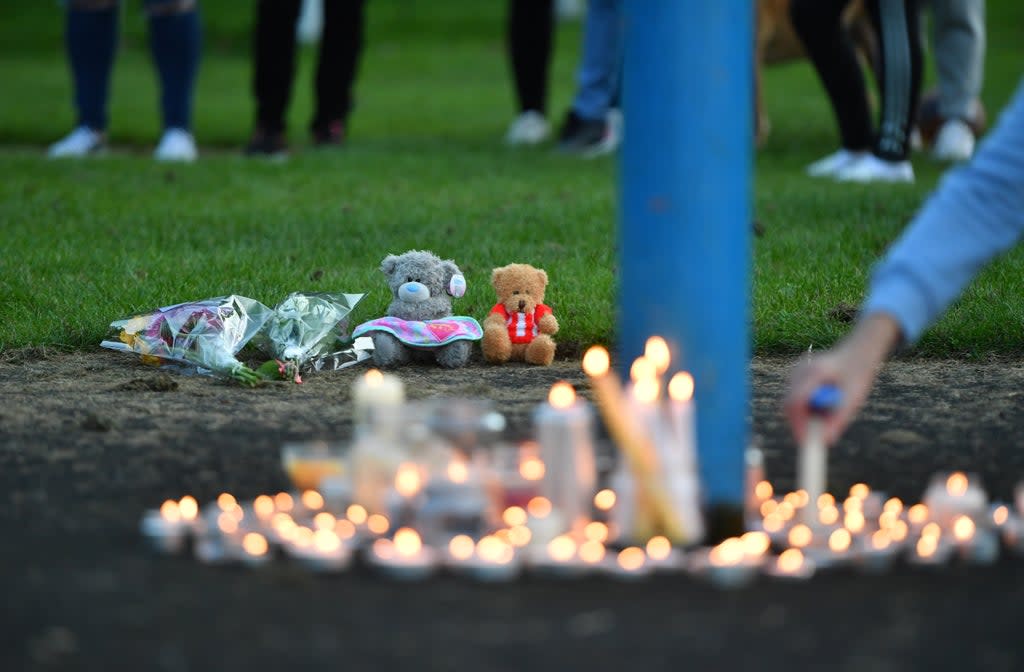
[{"x": 522, "y": 327}]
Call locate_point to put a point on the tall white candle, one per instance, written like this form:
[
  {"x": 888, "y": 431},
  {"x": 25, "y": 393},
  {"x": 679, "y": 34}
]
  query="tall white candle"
[
  {"x": 564, "y": 429},
  {"x": 812, "y": 463}
]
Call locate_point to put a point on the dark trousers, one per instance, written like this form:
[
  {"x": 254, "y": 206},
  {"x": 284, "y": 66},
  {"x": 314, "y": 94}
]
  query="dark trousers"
[
  {"x": 818, "y": 23},
  {"x": 530, "y": 38},
  {"x": 274, "y": 61}
]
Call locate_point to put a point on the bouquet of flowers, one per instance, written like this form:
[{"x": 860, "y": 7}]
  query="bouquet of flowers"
[
  {"x": 206, "y": 334},
  {"x": 304, "y": 331}
]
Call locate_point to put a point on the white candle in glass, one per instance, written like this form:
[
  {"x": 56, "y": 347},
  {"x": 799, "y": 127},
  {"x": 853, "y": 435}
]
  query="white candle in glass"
[
  {"x": 564, "y": 429},
  {"x": 373, "y": 393}
]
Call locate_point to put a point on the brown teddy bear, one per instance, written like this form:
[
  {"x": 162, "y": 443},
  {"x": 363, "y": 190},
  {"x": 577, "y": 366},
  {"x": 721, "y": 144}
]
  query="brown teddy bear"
[{"x": 519, "y": 327}]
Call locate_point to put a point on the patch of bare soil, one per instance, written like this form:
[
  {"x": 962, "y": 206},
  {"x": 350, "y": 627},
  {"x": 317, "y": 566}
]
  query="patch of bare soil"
[{"x": 90, "y": 439}]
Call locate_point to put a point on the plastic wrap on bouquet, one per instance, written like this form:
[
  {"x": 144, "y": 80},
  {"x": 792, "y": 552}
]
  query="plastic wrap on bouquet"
[
  {"x": 206, "y": 334},
  {"x": 309, "y": 331}
]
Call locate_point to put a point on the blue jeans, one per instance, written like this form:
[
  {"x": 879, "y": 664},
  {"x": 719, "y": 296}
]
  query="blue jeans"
[
  {"x": 174, "y": 39},
  {"x": 600, "y": 71}
]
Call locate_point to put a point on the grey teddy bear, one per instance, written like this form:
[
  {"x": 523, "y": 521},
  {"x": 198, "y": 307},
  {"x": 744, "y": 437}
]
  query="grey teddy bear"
[{"x": 419, "y": 325}]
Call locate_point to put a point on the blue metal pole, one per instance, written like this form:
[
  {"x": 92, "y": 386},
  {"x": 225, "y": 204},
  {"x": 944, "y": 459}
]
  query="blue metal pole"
[{"x": 685, "y": 218}]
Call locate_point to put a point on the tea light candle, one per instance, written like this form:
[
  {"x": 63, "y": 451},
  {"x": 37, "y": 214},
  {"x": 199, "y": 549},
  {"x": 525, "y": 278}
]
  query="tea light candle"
[
  {"x": 877, "y": 552},
  {"x": 931, "y": 550},
  {"x": 631, "y": 564},
  {"x": 254, "y": 550},
  {"x": 490, "y": 560},
  {"x": 725, "y": 565},
  {"x": 662, "y": 556},
  {"x": 791, "y": 564},
  {"x": 404, "y": 557},
  {"x": 164, "y": 528},
  {"x": 954, "y": 495},
  {"x": 976, "y": 546},
  {"x": 325, "y": 552},
  {"x": 564, "y": 427},
  {"x": 558, "y": 558},
  {"x": 999, "y": 514}
]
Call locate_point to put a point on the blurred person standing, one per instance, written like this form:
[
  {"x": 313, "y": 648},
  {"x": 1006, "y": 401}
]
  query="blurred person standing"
[
  {"x": 959, "y": 42},
  {"x": 530, "y": 31},
  {"x": 91, "y": 36},
  {"x": 864, "y": 154},
  {"x": 274, "y": 47}
]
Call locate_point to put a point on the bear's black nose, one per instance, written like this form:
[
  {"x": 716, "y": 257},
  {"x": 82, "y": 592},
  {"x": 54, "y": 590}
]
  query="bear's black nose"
[{"x": 522, "y": 305}]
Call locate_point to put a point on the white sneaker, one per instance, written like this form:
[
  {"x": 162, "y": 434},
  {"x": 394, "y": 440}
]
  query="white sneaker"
[
  {"x": 955, "y": 142},
  {"x": 83, "y": 141},
  {"x": 176, "y": 145},
  {"x": 870, "y": 168},
  {"x": 529, "y": 128},
  {"x": 833, "y": 163}
]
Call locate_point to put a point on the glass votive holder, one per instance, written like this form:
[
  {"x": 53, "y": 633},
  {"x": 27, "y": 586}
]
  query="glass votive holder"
[{"x": 308, "y": 463}]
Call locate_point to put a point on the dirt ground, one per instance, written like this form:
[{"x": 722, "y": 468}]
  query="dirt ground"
[{"x": 88, "y": 440}]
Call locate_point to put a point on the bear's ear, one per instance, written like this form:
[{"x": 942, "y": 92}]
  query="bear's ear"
[
  {"x": 450, "y": 268},
  {"x": 543, "y": 277},
  {"x": 496, "y": 276},
  {"x": 455, "y": 282},
  {"x": 387, "y": 267}
]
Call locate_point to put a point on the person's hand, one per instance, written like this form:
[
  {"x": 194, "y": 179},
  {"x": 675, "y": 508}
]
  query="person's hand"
[{"x": 851, "y": 366}]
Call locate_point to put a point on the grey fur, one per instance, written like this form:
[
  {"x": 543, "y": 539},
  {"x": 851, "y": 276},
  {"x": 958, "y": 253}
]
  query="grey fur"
[{"x": 436, "y": 274}]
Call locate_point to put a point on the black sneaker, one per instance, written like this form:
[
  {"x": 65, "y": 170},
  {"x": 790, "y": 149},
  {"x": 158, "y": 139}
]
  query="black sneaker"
[
  {"x": 266, "y": 144},
  {"x": 331, "y": 135},
  {"x": 586, "y": 137}
]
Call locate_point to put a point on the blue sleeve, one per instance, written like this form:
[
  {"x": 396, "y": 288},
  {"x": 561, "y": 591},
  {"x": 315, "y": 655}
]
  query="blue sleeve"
[{"x": 976, "y": 213}]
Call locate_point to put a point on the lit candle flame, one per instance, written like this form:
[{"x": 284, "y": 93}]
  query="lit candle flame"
[
  {"x": 839, "y": 541},
  {"x": 756, "y": 544},
  {"x": 880, "y": 540},
  {"x": 356, "y": 513},
  {"x": 539, "y": 507},
  {"x": 1000, "y": 515},
  {"x": 226, "y": 501},
  {"x": 344, "y": 529},
  {"x": 825, "y": 501},
  {"x": 283, "y": 501},
  {"x": 800, "y": 536},
  {"x": 596, "y": 531},
  {"x": 899, "y": 531},
  {"x": 963, "y": 528},
  {"x": 562, "y": 548},
  {"x": 773, "y": 523},
  {"x": 378, "y": 524},
  {"x": 461, "y": 547},
  {"x": 631, "y": 559},
  {"x": 658, "y": 548},
  {"x": 255, "y": 544},
  {"x": 592, "y": 552},
  {"x": 926, "y": 546},
  {"x": 888, "y": 519},
  {"x": 763, "y": 490},
  {"x": 642, "y": 369},
  {"x": 768, "y": 507},
  {"x": 323, "y": 521},
  {"x": 373, "y": 377},
  {"x": 956, "y": 484},
  {"x": 492, "y": 549},
  {"x": 562, "y": 395},
  {"x": 263, "y": 506},
  {"x": 407, "y": 542},
  {"x": 931, "y": 530},
  {"x": 226, "y": 523},
  {"x": 729, "y": 552},
  {"x": 680, "y": 387},
  {"x": 408, "y": 480},
  {"x": 860, "y": 490},
  {"x": 656, "y": 350},
  {"x": 326, "y": 541},
  {"x": 917, "y": 514},
  {"x": 790, "y": 561},
  {"x": 519, "y": 536},
  {"x": 853, "y": 504},
  {"x": 596, "y": 362},
  {"x": 188, "y": 507},
  {"x": 785, "y": 510},
  {"x": 384, "y": 549},
  {"x": 604, "y": 500},
  {"x": 458, "y": 472},
  {"x": 302, "y": 537},
  {"x": 854, "y": 521},
  {"x": 170, "y": 511},
  {"x": 311, "y": 499},
  {"x": 893, "y": 504},
  {"x": 647, "y": 390},
  {"x": 532, "y": 468},
  {"x": 514, "y": 515}
]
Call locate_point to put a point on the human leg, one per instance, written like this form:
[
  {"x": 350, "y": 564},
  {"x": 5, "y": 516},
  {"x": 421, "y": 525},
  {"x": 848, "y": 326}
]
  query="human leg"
[{"x": 341, "y": 46}]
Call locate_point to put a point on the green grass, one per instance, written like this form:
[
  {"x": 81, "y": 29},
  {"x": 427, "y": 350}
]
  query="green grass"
[{"x": 84, "y": 243}]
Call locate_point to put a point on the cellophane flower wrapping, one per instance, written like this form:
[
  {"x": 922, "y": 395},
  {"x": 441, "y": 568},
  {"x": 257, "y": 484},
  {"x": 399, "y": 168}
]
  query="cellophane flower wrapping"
[
  {"x": 206, "y": 334},
  {"x": 309, "y": 330}
]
